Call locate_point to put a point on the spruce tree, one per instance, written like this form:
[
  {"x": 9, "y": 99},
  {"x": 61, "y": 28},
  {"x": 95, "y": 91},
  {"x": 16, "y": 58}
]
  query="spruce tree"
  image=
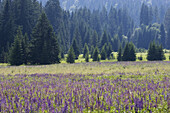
[
  {"x": 71, "y": 56},
  {"x": 163, "y": 35},
  {"x": 96, "y": 54},
  {"x": 104, "y": 39},
  {"x": 119, "y": 57},
  {"x": 76, "y": 49},
  {"x": 7, "y": 27},
  {"x": 103, "y": 53},
  {"x": 161, "y": 55},
  {"x": 155, "y": 52},
  {"x": 109, "y": 50},
  {"x": 132, "y": 52},
  {"x": 54, "y": 14},
  {"x": 126, "y": 52},
  {"x": 86, "y": 49},
  {"x": 43, "y": 43},
  {"x": 15, "y": 55}
]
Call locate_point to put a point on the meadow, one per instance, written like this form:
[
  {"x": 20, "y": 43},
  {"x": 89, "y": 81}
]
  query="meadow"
[{"x": 95, "y": 87}]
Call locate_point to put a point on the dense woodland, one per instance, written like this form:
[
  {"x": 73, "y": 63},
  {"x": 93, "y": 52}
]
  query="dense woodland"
[{"x": 38, "y": 33}]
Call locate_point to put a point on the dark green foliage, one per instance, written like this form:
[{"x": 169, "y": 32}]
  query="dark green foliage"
[
  {"x": 71, "y": 56},
  {"x": 76, "y": 49},
  {"x": 15, "y": 55},
  {"x": 87, "y": 57},
  {"x": 96, "y": 54},
  {"x": 103, "y": 53},
  {"x": 168, "y": 39},
  {"x": 129, "y": 53},
  {"x": 155, "y": 52},
  {"x": 108, "y": 50},
  {"x": 44, "y": 43},
  {"x": 104, "y": 39},
  {"x": 86, "y": 50},
  {"x": 92, "y": 51},
  {"x": 145, "y": 15},
  {"x": 6, "y": 27},
  {"x": 119, "y": 57},
  {"x": 163, "y": 35},
  {"x": 54, "y": 14}
]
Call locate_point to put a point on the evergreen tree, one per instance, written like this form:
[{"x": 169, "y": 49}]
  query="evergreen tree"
[
  {"x": 103, "y": 53},
  {"x": 119, "y": 57},
  {"x": 96, "y": 55},
  {"x": 86, "y": 50},
  {"x": 78, "y": 38},
  {"x": 163, "y": 35},
  {"x": 132, "y": 52},
  {"x": 168, "y": 39},
  {"x": 44, "y": 43},
  {"x": 92, "y": 51},
  {"x": 109, "y": 50},
  {"x": 129, "y": 53},
  {"x": 71, "y": 56},
  {"x": 161, "y": 55},
  {"x": 126, "y": 52},
  {"x": 6, "y": 27},
  {"x": 104, "y": 39},
  {"x": 75, "y": 48},
  {"x": 15, "y": 55},
  {"x": 54, "y": 14},
  {"x": 95, "y": 39},
  {"x": 145, "y": 15},
  {"x": 155, "y": 52},
  {"x": 167, "y": 20}
]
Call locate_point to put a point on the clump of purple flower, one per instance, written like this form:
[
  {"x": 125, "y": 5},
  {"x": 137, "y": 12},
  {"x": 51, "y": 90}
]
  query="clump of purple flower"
[{"x": 72, "y": 93}]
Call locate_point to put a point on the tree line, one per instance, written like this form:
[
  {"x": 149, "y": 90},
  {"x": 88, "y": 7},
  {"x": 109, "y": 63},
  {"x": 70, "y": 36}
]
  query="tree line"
[{"x": 43, "y": 35}]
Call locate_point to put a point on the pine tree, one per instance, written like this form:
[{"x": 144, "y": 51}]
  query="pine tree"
[
  {"x": 54, "y": 14},
  {"x": 163, "y": 35},
  {"x": 161, "y": 55},
  {"x": 44, "y": 43},
  {"x": 86, "y": 49},
  {"x": 103, "y": 53},
  {"x": 126, "y": 52},
  {"x": 6, "y": 27},
  {"x": 168, "y": 39},
  {"x": 96, "y": 55},
  {"x": 95, "y": 39},
  {"x": 132, "y": 52},
  {"x": 75, "y": 48},
  {"x": 92, "y": 51},
  {"x": 155, "y": 52},
  {"x": 104, "y": 39},
  {"x": 71, "y": 56},
  {"x": 109, "y": 50},
  {"x": 15, "y": 55},
  {"x": 119, "y": 57}
]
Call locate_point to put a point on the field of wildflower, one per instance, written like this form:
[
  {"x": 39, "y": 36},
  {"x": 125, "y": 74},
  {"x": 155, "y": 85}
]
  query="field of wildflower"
[{"x": 108, "y": 87}]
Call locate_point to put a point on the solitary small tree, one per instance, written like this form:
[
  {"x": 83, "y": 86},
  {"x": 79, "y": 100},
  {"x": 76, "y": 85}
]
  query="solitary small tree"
[{"x": 71, "y": 56}]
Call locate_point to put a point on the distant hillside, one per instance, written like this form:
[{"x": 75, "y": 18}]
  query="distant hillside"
[{"x": 132, "y": 6}]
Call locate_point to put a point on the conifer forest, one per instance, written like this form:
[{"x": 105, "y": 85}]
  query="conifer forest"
[{"x": 84, "y": 56}]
